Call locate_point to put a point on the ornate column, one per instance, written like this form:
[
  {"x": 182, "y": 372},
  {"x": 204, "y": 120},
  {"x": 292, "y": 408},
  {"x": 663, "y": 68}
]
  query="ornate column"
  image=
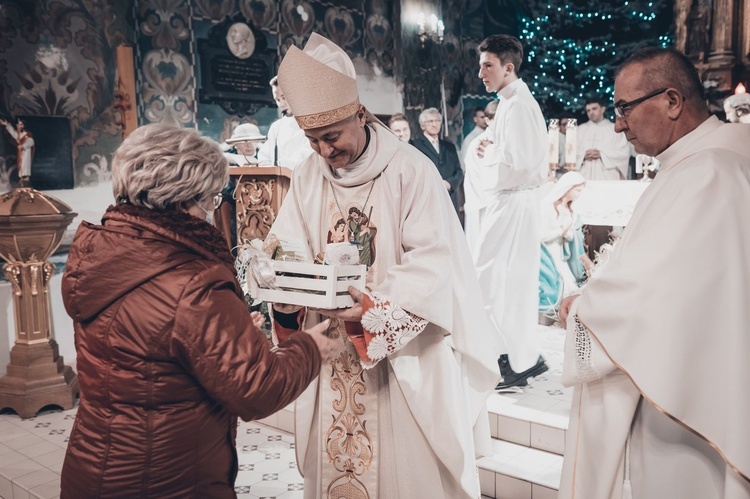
[
  {"x": 744, "y": 27},
  {"x": 722, "y": 31},
  {"x": 32, "y": 225}
]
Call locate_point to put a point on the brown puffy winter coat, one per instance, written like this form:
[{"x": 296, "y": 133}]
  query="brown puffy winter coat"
[{"x": 167, "y": 358}]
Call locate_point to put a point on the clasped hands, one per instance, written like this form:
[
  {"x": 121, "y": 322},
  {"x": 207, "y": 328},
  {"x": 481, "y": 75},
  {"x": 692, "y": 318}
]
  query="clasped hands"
[{"x": 592, "y": 154}]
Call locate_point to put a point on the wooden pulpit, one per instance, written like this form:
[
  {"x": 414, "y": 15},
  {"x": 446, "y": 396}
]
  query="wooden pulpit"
[{"x": 258, "y": 195}]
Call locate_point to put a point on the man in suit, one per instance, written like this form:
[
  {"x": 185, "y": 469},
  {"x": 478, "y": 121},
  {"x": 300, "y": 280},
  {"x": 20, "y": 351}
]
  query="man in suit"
[{"x": 441, "y": 152}]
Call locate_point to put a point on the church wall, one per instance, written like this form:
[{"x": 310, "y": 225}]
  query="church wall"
[{"x": 57, "y": 58}]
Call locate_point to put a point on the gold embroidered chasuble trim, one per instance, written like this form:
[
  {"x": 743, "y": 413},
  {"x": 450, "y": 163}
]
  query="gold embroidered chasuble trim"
[
  {"x": 349, "y": 459},
  {"x": 723, "y": 456}
]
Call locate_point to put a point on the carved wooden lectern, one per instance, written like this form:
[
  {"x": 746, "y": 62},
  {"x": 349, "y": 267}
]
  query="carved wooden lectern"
[{"x": 258, "y": 195}]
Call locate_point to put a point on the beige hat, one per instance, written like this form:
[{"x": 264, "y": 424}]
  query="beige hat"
[
  {"x": 319, "y": 83},
  {"x": 246, "y": 132}
]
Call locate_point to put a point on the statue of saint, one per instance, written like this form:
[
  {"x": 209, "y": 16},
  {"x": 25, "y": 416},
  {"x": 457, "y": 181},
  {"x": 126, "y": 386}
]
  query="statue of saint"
[
  {"x": 25, "y": 142},
  {"x": 737, "y": 107},
  {"x": 699, "y": 29}
]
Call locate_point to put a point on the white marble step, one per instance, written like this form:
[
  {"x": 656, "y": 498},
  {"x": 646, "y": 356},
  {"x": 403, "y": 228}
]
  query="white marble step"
[
  {"x": 517, "y": 472},
  {"x": 529, "y": 420},
  {"x": 512, "y": 419}
]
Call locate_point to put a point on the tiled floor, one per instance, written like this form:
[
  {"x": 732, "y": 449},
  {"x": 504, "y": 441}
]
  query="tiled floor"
[{"x": 32, "y": 452}]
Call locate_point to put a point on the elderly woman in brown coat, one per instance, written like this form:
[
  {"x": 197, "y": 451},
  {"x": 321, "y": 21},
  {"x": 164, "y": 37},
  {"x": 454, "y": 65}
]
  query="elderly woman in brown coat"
[{"x": 168, "y": 354}]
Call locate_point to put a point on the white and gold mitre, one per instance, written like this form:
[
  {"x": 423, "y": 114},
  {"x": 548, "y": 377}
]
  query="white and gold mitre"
[{"x": 319, "y": 83}]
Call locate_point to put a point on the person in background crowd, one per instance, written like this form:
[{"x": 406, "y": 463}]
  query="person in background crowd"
[
  {"x": 474, "y": 183},
  {"x": 244, "y": 139},
  {"x": 286, "y": 144},
  {"x": 602, "y": 153},
  {"x": 400, "y": 126},
  {"x": 441, "y": 152},
  {"x": 480, "y": 120}
]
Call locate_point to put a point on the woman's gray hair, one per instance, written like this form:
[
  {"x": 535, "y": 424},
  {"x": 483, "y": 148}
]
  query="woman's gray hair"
[{"x": 163, "y": 166}]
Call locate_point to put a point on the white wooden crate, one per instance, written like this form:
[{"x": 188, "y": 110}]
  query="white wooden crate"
[{"x": 312, "y": 285}]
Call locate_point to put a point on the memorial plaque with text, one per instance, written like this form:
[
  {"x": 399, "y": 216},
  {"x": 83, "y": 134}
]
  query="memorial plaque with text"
[{"x": 237, "y": 84}]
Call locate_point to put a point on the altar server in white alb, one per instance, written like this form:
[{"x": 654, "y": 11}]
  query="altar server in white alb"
[
  {"x": 657, "y": 343},
  {"x": 286, "y": 145},
  {"x": 475, "y": 195},
  {"x": 601, "y": 152},
  {"x": 398, "y": 411},
  {"x": 513, "y": 164}
]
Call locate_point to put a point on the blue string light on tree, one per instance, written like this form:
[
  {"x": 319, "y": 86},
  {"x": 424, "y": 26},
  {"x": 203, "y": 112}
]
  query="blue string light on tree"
[{"x": 573, "y": 47}]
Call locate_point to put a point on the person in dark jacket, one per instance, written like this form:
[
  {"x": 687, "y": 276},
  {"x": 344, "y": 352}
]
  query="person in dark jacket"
[
  {"x": 168, "y": 354},
  {"x": 441, "y": 152}
]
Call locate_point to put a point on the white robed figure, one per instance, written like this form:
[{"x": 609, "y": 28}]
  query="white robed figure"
[
  {"x": 601, "y": 152},
  {"x": 476, "y": 198},
  {"x": 400, "y": 412},
  {"x": 657, "y": 341},
  {"x": 513, "y": 167}
]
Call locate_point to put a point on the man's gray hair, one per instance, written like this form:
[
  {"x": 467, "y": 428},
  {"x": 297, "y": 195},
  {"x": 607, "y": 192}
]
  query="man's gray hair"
[
  {"x": 430, "y": 111},
  {"x": 163, "y": 166}
]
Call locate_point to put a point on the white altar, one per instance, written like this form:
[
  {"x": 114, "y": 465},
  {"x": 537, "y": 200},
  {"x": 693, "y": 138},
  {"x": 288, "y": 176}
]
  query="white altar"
[{"x": 609, "y": 202}]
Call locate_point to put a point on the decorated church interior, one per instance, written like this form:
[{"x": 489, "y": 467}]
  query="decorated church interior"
[{"x": 303, "y": 249}]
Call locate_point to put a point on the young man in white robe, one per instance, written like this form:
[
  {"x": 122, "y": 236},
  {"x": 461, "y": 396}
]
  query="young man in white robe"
[
  {"x": 400, "y": 412},
  {"x": 513, "y": 163},
  {"x": 480, "y": 125},
  {"x": 657, "y": 345},
  {"x": 286, "y": 144},
  {"x": 601, "y": 152}
]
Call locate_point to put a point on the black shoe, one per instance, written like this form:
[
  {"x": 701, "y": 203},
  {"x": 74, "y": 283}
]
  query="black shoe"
[{"x": 512, "y": 378}]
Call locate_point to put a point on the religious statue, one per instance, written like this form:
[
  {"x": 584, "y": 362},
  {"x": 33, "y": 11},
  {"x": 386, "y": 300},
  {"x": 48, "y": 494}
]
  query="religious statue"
[
  {"x": 25, "y": 142},
  {"x": 699, "y": 28},
  {"x": 737, "y": 108}
]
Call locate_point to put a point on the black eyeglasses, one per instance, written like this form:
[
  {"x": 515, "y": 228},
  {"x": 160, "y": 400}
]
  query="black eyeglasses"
[{"x": 621, "y": 110}]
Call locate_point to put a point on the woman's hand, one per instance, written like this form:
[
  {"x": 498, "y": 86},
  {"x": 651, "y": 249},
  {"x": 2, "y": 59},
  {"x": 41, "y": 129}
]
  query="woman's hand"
[
  {"x": 327, "y": 347},
  {"x": 258, "y": 319},
  {"x": 351, "y": 314}
]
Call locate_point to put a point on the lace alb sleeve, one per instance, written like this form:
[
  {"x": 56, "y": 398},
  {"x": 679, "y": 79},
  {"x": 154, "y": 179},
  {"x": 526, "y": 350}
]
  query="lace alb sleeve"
[
  {"x": 585, "y": 359},
  {"x": 387, "y": 328}
]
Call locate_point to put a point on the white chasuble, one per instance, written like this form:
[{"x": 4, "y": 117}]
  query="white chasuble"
[
  {"x": 614, "y": 163},
  {"x": 399, "y": 412},
  {"x": 654, "y": 329}
]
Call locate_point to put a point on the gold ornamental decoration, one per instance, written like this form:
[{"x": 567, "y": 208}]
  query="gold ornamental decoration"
[
  {"x": 255, "y": 215},
  {"x": 32, "y": 225}
]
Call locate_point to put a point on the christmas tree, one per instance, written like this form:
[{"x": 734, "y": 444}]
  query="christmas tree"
[{"x": 573, "y": 47}]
